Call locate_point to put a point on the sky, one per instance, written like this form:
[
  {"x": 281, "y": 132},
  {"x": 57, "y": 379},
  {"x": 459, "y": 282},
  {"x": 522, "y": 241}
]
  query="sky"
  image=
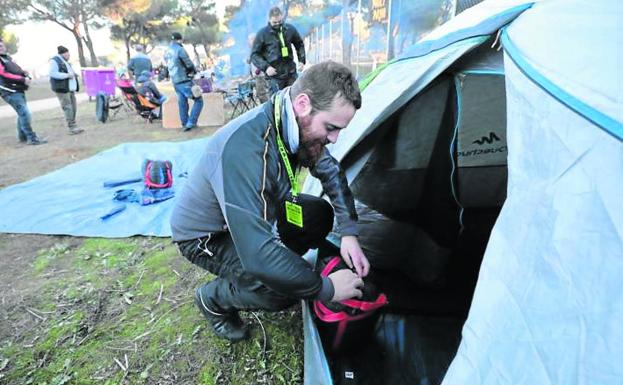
[{"x": 38, "y": 42}]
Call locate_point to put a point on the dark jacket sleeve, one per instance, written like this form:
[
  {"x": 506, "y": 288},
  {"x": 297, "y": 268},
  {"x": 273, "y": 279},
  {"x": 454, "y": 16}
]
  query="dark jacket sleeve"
[
  {"x": 247, "y": 183},
  {"x": 257, "y": 56},
  {"x": 299, "y": 45},
  {"x": 334, "y": 183},
  {"x": 19, "y": 78},
  {"x": 186, "y": 62}
]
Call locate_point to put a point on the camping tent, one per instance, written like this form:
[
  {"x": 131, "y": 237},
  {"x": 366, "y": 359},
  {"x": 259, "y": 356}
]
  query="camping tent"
[{"x": 427, "y": 158}]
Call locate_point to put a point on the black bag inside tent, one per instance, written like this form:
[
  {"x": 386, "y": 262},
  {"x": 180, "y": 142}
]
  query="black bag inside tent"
[
  {"x": 101, "y": 107},
  {"x": 428, "y": 191}
]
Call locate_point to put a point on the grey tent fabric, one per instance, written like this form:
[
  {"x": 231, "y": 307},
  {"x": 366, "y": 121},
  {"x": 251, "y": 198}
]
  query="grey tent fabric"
[{"x": 413, "y": 166}]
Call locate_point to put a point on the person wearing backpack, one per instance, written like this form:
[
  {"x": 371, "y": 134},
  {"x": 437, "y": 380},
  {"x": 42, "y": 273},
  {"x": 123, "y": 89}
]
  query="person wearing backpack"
[
  {"x": 64, "y": 82},
  {"x": 14, "y": 82},
  {"x": 181, "y": 71}
]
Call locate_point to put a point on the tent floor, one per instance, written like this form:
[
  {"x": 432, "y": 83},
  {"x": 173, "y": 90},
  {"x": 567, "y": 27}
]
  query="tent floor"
[{"x": 405, "y": 349}]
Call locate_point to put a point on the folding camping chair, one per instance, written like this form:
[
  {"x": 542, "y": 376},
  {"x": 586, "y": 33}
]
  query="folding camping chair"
[
  {"x": 137, "y": 102},
  {"x": 242, "y": 98}
]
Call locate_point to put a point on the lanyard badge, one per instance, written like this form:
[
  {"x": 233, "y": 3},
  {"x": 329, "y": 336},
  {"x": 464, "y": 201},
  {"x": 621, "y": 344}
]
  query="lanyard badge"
[
  {"x": 294, "y": 211},
  {"x": 284, "y": 47}
]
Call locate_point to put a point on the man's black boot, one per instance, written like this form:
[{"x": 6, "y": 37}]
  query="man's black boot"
[{"x": 225, "y": 325}]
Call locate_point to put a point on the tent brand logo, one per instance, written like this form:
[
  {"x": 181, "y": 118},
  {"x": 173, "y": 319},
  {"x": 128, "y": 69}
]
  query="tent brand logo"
[
  {"x": 490, "y": 139},
  {"x": 482, "y": 151}
]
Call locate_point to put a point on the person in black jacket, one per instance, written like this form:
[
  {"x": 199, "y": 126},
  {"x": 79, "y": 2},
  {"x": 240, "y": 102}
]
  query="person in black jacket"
[
  {"x": 14, "y": 82},
  {"x": 241, "y": 215},
  {"x": 272, "y": 51}
]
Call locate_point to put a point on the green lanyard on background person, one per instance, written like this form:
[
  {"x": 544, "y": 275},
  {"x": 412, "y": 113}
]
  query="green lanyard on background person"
[
  {"x": 294, "y": 211},
  {"x": 284, "y": 47}
]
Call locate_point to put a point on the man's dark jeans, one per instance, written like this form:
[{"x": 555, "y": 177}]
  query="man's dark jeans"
[
  {"x": 183, "y": 92},
  {"x": 276, "y": 84},
  {"x": 17, "y": 100},
  {"x": 234, "y": 289}
]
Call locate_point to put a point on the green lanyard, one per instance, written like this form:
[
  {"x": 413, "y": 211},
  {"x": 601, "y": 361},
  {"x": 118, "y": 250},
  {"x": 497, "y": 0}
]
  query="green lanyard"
[
  {"x": 282, "y": 149},
  {"x": 284, "y": 48},
  {"x": 294, "y": 212}
]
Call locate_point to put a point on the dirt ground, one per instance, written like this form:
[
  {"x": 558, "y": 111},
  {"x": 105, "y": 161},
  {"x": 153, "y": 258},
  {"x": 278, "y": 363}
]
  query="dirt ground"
[{"x": 22, "y": 162}]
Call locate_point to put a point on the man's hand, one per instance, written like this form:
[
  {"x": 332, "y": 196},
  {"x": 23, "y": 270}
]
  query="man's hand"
[
  {"x": 301, "y": 67},
  {"x": 346, "y": 285},
  {"x": 271, "y": 71},
  {"x": 353, "y": 255},
  {"x": 27, "y": 80}
]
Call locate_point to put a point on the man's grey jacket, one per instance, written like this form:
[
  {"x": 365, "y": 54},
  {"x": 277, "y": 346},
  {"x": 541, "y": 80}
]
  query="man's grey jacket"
[{"x": 237, "y": 186}]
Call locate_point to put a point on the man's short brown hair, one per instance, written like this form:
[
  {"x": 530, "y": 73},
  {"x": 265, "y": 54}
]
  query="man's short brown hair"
[
  {"x": 325, "y": 81},
  {"x": 274, "y": 11}
]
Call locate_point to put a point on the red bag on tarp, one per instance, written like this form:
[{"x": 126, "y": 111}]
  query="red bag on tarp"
[
  {"x": 157, "y": 174},
  {"x": 348, "y": 324}
]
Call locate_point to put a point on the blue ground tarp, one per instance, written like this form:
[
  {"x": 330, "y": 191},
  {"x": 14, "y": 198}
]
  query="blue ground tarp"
[{"x": 71, "y": 200}]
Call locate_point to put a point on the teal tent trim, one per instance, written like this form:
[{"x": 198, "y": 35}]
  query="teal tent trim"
[
  {"x": 484, "y": 28},
  {"x": 605, "y": 122}
]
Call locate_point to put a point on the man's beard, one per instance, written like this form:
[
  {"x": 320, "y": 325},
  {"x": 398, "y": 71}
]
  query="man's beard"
[
  {"x": 309, "y": 153},
  {"x": 309, "y": 150}
]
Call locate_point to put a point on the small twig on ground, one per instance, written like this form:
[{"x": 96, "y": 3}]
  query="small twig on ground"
[
  {"x": 120, "y": 364},
  {"x": 160, "y": 295},
  {"x": 139, "y": 278},
  {"x": 41, "y": 311},
  {"x": 82, "y": 340},
  {"x": 142, "y": 335},
  {"x": 54, "y": 273},
  {"x": 176, "y": 273},
  {"x": 122, "y": 349},
  {"x": 32, "y": 343},
  {"x": 289, "y": 368},
  {"x": 35, "y": 314},
  {"x": 168, "y": 311},
  {"x": 263, "y": 334}
]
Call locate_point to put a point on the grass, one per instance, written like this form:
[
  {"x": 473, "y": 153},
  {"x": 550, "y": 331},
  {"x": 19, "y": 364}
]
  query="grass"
[
  {"x": 115, "y": 311},
  {"x": 120, "y": 311}
]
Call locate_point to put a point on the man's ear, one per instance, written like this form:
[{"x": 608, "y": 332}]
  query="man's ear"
[{"x": 302, "y": 105}]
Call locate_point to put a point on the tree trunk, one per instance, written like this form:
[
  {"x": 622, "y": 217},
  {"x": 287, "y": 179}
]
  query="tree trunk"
[
  {"x": 89, "y": 43},
  {"x": 198, "y": 62},
  {"x": 127, "y": 48},
  {"x": 83, "y": 60}
]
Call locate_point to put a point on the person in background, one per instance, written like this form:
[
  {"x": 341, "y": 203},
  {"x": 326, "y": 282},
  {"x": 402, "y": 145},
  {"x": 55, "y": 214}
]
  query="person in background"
[
  {"x": 139, "y": 62},
  {"x": 146, "y": 87},
  {"x": 14, "y": 82},
  {"x": 181, "y": 71},
  {"x": 64, "y": 82},
  {"x": 241, "y": 216},
  {"x": 272, "y": 51}
]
